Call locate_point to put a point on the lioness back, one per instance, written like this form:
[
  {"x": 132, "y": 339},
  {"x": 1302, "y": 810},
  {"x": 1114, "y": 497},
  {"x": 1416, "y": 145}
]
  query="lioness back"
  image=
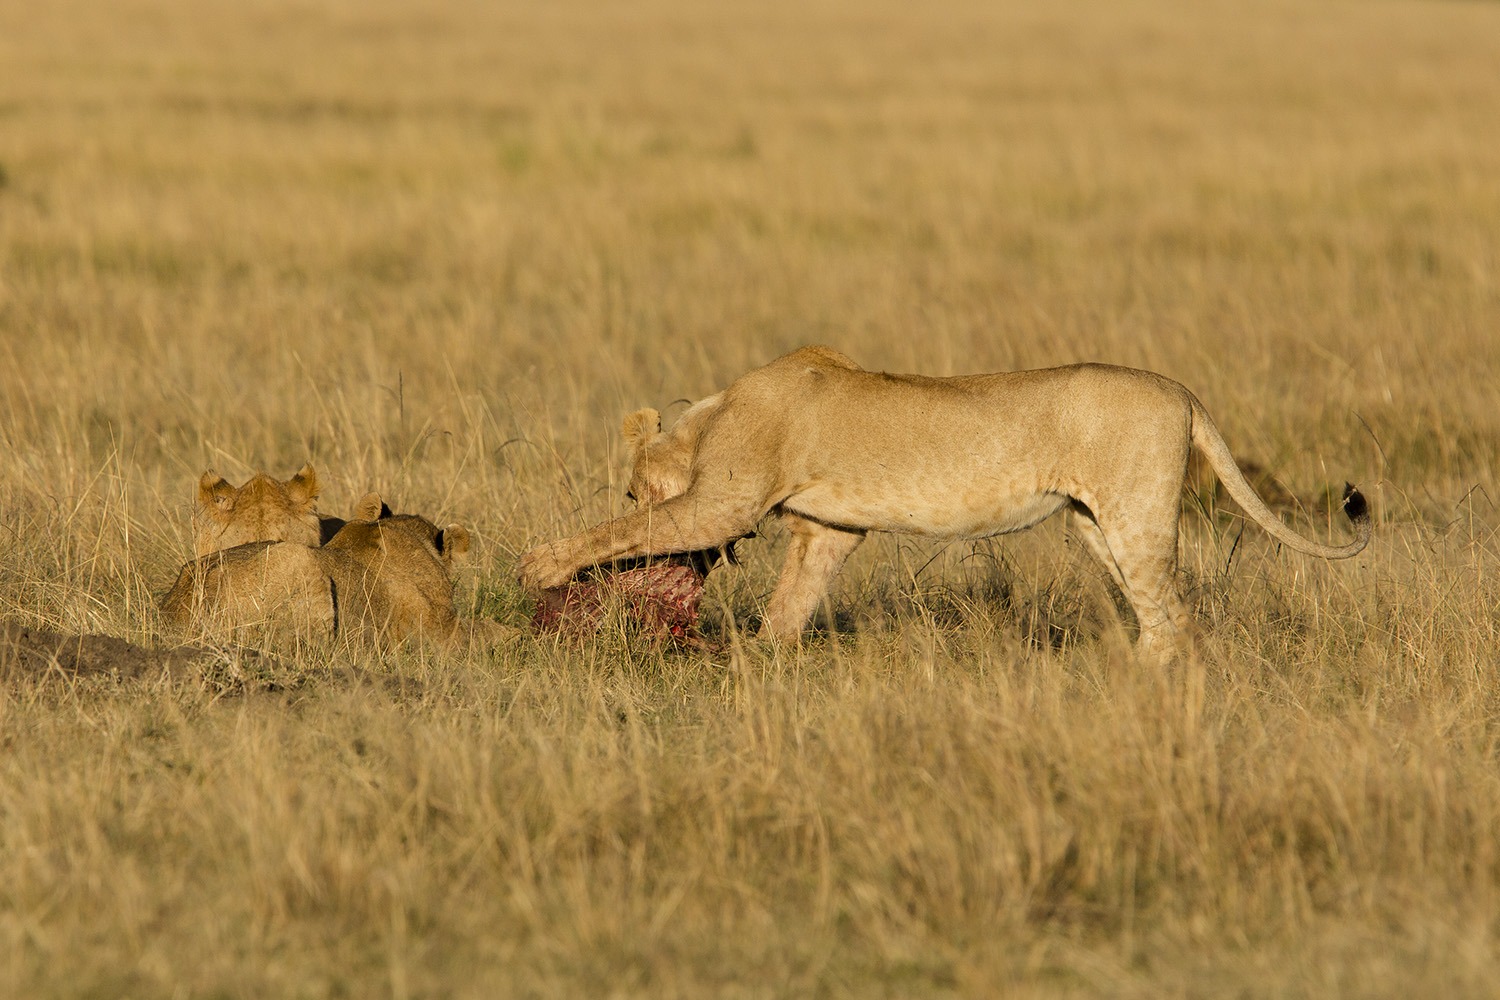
[{"x": 958, "y": 457}]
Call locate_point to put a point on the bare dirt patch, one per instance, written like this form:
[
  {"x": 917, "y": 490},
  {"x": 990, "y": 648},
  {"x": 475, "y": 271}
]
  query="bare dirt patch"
[{"x": 29, "y": 651}]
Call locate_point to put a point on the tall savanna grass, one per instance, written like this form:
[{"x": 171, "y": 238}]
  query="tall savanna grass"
[{"x": 439, "y": 250}]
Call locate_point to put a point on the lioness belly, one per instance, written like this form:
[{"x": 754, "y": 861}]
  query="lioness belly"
[{"x": 967, "y": 511}]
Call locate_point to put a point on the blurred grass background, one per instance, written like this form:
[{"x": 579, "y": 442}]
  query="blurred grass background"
[{"x": 440, "y": 251}]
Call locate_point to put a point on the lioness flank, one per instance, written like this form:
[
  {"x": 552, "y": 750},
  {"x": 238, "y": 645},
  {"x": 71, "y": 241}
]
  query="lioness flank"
[{"x": 837, "y": 452}]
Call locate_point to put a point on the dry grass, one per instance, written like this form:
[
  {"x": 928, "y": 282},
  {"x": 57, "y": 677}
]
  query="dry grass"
[{"x": 440, "y": 251}]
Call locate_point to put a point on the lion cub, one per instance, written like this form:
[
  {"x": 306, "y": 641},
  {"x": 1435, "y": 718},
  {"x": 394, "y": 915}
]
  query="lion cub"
[
  {"x": 381, "y": 572},
  {"x": 837, "y": 452},
  {"x": 264, "y": 509}
]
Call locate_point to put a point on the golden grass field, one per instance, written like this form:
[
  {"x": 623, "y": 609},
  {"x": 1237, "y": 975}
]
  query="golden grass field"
[{"x": 439, "y": 250}]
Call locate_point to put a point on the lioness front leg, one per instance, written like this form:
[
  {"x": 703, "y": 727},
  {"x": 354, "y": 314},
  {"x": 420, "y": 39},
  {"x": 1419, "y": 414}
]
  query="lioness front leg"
[
  {"x": 684, "y": 523},
  {"x": 814, "y": 557}
]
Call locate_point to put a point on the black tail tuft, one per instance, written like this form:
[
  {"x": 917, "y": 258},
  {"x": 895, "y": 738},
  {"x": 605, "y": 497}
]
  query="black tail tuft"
[{"x": 1355, "y": 504}]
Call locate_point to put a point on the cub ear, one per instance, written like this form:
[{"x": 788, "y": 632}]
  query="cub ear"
[
  {"x": 371, "y": 508},
  {"x": 452, "y": 541},
  {"x": 640, "y": 426},
  {"x": 303, "y": 488},
  {"x": 214, "y": 493}
]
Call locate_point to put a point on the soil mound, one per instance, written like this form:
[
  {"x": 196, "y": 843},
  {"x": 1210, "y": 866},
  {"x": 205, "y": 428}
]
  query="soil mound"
[{"x": 28, "y": 651}]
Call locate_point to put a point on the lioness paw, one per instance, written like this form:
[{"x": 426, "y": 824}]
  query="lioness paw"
[{"x": 540, "y": 570}]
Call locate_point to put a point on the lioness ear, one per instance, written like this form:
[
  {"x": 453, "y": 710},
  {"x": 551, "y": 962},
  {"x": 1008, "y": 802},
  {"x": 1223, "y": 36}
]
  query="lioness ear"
[
  {"x": 214, "y": 492},
  {"x": 641, "y": 425},
  {"x": 303, "y": 488},
  {"x": 452, "y": 541},
  {"x": 371, "y": 508}
]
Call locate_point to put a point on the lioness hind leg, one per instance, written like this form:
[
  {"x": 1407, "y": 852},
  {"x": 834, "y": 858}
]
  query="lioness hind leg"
[
  {"x": 1144, "y": 551},
  {"x": 816, "y": 554},
  {"x": 1081, "y": 520}
]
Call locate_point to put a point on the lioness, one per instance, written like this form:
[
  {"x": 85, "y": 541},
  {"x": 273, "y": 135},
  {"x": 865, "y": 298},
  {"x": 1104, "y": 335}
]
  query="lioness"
[
  {"x": 837, "y": 452},
  {"x": 384, "y": 572},
  {"x": 264, "y": 509}
]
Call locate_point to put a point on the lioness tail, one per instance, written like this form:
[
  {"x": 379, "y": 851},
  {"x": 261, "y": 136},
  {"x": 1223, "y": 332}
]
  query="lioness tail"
[{"x": 1206, "y": 438}]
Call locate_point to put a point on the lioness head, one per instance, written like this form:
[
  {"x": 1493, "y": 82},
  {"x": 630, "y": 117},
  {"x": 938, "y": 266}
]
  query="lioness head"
[
  {"x": 262, "y": 510},
  {"x": 661, "y": 464}
]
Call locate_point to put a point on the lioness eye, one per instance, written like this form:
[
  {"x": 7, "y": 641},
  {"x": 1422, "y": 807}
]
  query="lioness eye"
[{"x": 630, "y": 496}]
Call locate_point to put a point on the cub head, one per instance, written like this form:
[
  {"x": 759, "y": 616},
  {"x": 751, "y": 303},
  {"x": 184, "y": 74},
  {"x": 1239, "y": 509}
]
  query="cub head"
[
  {"x": 661, "y": 464},
  {"x": 370, "y": 508},
  {"x": 404, "y": 537},
  {"x": 402, "y": 569},
  {"x": 262, "y": 510},
  {"x": 448, "y": 544}
]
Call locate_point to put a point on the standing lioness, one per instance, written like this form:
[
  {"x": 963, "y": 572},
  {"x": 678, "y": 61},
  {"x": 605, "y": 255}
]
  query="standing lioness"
[{"x": 837, "y": 452}]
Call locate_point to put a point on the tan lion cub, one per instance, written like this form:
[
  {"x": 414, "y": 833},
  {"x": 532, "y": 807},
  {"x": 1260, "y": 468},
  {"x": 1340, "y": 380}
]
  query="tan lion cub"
[{"x": 837, "y": 452}]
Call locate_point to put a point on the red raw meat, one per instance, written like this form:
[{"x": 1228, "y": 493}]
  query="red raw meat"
[{"x": 662, "y": 594}]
